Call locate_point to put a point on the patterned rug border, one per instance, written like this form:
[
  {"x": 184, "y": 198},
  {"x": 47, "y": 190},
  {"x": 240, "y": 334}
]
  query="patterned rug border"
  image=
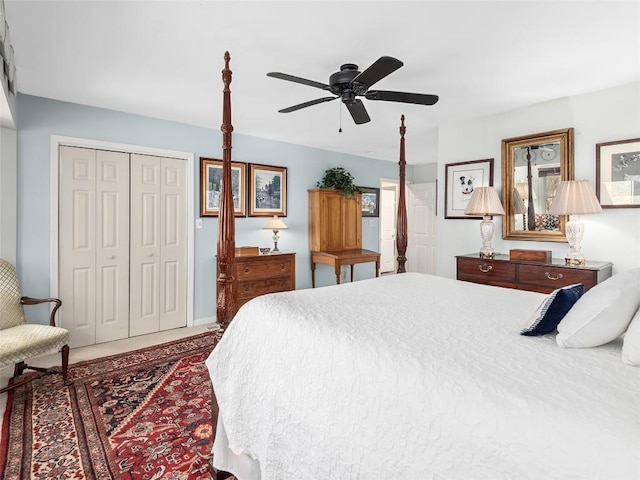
[
  {"x": 88, "y": 368},
  {"x": 84, "y": 372}
]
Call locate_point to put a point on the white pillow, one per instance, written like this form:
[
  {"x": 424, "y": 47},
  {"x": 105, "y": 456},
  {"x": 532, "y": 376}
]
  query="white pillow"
[
  {"x": 603, "y": 313},
  {"x": 631, "y": 343}
]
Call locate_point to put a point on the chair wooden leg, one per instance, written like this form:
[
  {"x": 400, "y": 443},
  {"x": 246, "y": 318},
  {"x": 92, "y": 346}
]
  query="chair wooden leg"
[
  {"x": 65, "y": 363},
  {"x": 20, "y": 366}
]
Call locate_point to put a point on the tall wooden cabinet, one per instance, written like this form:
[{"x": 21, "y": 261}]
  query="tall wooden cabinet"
[
  {"x": 335, "y": 221},
  {"x": 335, "y": 232}
]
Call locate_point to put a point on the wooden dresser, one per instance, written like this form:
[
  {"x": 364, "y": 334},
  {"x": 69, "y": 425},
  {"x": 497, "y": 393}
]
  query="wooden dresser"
[
  {"x": 256, "y": 275},
  {"x": 524, "y": 275}
]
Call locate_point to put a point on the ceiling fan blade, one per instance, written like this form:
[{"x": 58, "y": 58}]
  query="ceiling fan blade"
[
  {"x": 378, "y": 70},
  {"x": 307, "y": 104},
  {"x": 303, "y": 81},
  {"x": 358, "y": 112},
  {"x": 404, "y": 97}
]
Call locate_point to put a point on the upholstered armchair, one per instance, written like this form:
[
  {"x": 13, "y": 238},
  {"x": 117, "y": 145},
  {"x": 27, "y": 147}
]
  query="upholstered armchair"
[{"x": 20, "y": 341}]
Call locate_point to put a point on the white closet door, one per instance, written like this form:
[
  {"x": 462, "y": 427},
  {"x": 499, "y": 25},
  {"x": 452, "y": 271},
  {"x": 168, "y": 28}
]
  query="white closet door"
[
  {"x": 112, "y": 246},
  {"x": 93, "y": 244},
  {"x": 144, "y": 316},
  {"x": 158, "y": 244},
  {"x": 173, "y": 272}
]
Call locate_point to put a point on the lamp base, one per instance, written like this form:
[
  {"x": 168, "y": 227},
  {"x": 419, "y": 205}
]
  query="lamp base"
[
  {"x": 575, "y": 231},
  {"x": 275, "y": 239},
  {"x": 486, "y": 232},
  {"x": 575, "y": 261}
]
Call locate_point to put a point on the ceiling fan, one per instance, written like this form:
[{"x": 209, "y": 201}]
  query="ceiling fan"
[{"x": 349, "y": 83}]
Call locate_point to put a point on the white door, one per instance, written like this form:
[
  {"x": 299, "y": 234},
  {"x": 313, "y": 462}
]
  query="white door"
[
  {"x": 388, "y": 208},
  {"x": 122, "y": 244},
  {"x": 94, "y": 244},
  {"x": 422, "y": 228},
  {"x": 158, "y": 244}
]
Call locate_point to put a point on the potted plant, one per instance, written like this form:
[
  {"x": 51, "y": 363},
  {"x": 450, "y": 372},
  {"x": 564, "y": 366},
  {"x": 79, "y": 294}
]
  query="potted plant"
[{"x": 338, "y": 178}]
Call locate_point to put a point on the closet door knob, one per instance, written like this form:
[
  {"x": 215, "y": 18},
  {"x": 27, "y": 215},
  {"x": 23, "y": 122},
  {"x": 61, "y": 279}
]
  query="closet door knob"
[
  {"x": 110, "y": 257},
  {"x": 149, "y": 254}
]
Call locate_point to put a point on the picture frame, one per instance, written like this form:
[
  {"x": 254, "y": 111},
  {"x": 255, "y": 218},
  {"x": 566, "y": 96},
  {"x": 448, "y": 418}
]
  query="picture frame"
[
  {"x": 210, "y": 184},
  {"x": 370, "y": 201},
  {"x": 267, "y": 190},
  {"x": 618, "y": 173},
  {"x": 460, "y": 180}
]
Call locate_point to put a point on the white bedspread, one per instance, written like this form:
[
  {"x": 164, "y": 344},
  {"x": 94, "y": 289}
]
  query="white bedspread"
[{"x": 417, "y": 377}]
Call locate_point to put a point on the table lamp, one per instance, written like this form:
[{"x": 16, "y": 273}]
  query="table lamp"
[
  {"x": 484, "y": 201},
  {"x": 574, "y": 198},
  {"x": 276, "y": 225}
]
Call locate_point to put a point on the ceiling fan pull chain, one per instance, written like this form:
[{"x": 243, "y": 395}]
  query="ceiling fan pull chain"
[{"x": 340, "y": 116}]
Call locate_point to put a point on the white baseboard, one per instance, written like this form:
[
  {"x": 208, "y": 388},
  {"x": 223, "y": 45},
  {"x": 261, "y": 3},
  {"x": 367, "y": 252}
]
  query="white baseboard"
[{"x": 197, "y": 322}]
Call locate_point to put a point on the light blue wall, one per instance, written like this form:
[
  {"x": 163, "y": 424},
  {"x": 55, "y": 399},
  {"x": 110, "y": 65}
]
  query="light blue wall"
[{"x": 39, "y": 118}]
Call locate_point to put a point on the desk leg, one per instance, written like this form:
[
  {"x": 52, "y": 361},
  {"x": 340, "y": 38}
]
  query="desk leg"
[
  {"x": 378, "y": 267},
  {"x": 351, "y": 273},
  {"x": 337, "y": 269},
  {"x": 313, "y": 273}
]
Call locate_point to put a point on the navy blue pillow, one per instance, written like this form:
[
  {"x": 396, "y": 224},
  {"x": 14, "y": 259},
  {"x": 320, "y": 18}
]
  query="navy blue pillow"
[{"x": 553, "y": 309}]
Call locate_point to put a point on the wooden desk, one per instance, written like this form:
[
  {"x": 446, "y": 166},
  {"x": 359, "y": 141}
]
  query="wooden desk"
[{"x": 343, "y": 257}]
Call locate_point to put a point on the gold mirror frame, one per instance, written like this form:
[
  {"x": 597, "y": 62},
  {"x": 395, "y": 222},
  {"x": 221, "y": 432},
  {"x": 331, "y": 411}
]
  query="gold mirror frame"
[{"x": 513, "y": 150}]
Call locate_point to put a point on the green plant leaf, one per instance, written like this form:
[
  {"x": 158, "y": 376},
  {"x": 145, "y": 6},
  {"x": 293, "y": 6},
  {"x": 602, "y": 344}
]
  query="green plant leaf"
[{"x": 338, "y": 178}]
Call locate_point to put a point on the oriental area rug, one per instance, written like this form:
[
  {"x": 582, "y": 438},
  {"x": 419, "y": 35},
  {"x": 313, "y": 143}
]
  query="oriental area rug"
[{"x": 145, "y": 415}]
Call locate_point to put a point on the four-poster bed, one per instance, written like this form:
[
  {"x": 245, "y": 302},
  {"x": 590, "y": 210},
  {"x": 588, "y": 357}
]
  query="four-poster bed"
[{"x": 410, "y": 376}]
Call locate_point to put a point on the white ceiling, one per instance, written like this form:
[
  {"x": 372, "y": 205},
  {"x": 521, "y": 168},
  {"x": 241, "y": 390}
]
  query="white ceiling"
[{"x": 163, "y": 59}]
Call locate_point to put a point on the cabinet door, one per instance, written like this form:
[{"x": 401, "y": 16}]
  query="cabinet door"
[
  {"x": 331, "y": 236},
  {"x": 352, "y": 222}
]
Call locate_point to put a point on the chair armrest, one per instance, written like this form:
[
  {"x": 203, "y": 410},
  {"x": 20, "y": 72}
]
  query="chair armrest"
[{"x": 35, "y": 301}]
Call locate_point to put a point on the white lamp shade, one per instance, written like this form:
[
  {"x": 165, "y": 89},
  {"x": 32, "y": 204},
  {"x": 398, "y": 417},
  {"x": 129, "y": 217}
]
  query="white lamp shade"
[
  {"x": 518, "y": 202},
  {"x": 484, "y": 201},
  {"x": 275, "y": 224},
  {"x": 575, "y": 197},
  {"x": 523, "y": 190}
]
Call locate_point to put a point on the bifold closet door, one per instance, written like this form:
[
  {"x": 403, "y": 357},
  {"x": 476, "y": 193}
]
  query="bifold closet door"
[
  {"x": 94, "y": 244},
  {"x": 158, "y": 259}
]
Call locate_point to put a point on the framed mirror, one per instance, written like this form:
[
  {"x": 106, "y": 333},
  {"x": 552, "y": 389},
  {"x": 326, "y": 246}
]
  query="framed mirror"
[{"x": 532, "y": 168}]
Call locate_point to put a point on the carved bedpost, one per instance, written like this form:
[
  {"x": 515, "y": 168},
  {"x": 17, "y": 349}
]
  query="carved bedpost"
[
  {"x": 226, "y": 218},
  {"x": 401, "y": 222}
]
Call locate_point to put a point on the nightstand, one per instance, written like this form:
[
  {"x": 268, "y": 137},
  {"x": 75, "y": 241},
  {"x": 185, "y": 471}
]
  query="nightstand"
[
  {"x": 522, "y": 275},
  {"x": 256, "y": 275}
]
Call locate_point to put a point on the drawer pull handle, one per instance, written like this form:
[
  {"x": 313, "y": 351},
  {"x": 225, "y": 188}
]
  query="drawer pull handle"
[
  {"x": 246, "y": 270},
  {"x": 246, "y": 288},
  {"x": 485, "y": 268},
  {"x": 550, "y": 277}
]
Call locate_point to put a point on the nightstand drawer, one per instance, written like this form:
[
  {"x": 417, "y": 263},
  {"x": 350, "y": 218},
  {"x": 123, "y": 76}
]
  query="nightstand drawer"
[
  {"x": 486, "y": 271},
  {"x": 263, "y": 269},
  {"x": 256, "y": 275},
  {"x": 255, "y": 288},
  {"x": 555, "y": 277}
]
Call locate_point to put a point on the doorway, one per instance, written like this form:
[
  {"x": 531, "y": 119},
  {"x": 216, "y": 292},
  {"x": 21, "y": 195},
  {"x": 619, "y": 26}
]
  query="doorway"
[{"x": 388, "y": 217}]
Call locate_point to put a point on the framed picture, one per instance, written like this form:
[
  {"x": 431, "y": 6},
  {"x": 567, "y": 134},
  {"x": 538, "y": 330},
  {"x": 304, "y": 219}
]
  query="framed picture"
[
  {"x": 210, "y": 187},
  {"x": 460, "y": 180},
  {"x": 618, "y": 173},
  {"x": 267, "y": 191},
  {"x": 370, "y": 201}
]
